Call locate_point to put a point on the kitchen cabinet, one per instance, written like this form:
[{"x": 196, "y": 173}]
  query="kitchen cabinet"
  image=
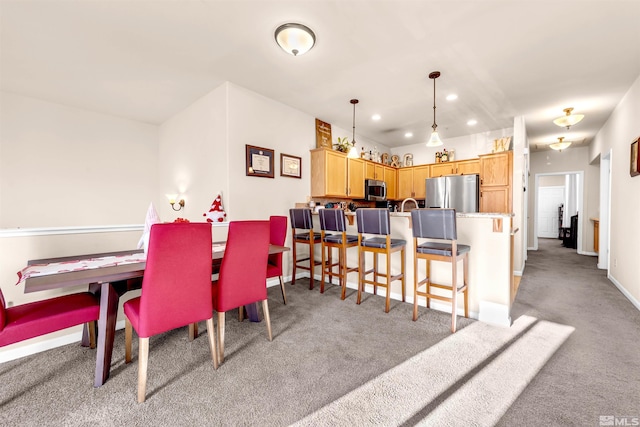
[
  {"x": 333, "y": 174},
  {"x": 496, "y": 175},
  {"x": 468, "y": 167},
  {"x": 355, "y": 177},
  {"x": 374, "y": 171},
  {"x": 412, "y": 182},
  {"x": 328, "y": 173},
  {"x": 463, "y": 167},
  {"x": 391, "y": 178}
]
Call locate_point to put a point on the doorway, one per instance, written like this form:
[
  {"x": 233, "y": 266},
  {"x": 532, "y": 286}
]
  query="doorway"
[
  {"x": 574, "y": 176},
  {"x": 550, "y": 200}
]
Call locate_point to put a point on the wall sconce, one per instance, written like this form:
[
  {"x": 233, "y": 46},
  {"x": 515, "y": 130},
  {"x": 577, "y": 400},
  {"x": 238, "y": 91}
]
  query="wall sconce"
[{"x": 172, "y": 202}]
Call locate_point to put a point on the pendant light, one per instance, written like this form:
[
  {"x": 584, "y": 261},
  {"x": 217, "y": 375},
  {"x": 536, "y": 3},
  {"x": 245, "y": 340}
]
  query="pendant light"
[
  {"x": 560, "y": 145},
  {"x": 295, "y": 39},
  {"x": 435, "y": 140},
  {"x": 568, "y": 119},
  {"x": 353, "y": 153}
]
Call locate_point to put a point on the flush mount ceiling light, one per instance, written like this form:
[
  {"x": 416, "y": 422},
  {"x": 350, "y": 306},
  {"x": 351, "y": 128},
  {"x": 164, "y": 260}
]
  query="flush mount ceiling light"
[
  {"x": 435, "y": 140},
  {"x": 295, "y": 39},
  {"x": 560, "y": 145},
  {"x": 568, "y": 119},
  {"x": 353, "y": 153}
]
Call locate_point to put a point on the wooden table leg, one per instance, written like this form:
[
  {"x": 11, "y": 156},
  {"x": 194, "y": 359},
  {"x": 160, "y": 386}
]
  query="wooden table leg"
[
  {"x": 109, "y": 298},
  {"x": 252, "y": 312}
]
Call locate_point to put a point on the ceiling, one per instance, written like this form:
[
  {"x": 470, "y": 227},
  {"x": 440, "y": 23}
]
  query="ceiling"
[{"x": 148, "y": 60}]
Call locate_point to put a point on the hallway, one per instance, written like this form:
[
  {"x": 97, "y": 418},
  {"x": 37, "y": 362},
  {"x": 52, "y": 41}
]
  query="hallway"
[{"x": 597, "y": 370}]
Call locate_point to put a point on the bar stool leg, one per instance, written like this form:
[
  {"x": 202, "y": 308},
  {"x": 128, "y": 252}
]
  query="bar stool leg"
[
  {"x": 295, "y": 258},
  {"x": 388, "y": 296},
  {"x": 323, "y": 248},
  {"x": 403, "y": 257},
  {"x": 415, "y": 287},
  {"x": 465, "y": 264},
  {"x": 375, "y": 274},
  {"x": 454, "y": 291},
  {"x": 360, "y": 274},
  {"x": 428, "y": 283},
  {"x": 312, "y": 262}
]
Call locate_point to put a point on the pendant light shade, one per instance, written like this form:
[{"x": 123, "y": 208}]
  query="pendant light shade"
[
  {"x": 353, "y": 152},
  {"x": 295, "y": 39},
  {"x": 435, "y": 140},
  {"x": 560, "y": 145},
  {"x": 568, "y": 119}
]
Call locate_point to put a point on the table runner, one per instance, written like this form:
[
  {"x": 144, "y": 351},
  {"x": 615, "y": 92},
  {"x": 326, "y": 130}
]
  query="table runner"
[{"x": 36, "y": 270}]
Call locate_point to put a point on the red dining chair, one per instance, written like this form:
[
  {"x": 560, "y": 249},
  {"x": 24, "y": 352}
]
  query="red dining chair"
[
  {"x": 34, "y": 319},
  {"x": 176, "y": 289},
  {"x": 278, "y": 234},
  {"x": 241, "y": 280}
]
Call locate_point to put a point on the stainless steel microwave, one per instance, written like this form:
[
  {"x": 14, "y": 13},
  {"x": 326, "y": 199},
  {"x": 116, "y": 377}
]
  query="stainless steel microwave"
[{"x": 375, "y": 190}]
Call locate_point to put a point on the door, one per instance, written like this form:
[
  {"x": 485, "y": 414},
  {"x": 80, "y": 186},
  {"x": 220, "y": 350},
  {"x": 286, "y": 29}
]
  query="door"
[{"x": 549, "y": 199}]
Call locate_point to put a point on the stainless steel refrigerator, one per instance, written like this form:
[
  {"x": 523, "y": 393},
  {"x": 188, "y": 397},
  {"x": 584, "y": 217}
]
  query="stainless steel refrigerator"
[{"x": 459, "y": 192}]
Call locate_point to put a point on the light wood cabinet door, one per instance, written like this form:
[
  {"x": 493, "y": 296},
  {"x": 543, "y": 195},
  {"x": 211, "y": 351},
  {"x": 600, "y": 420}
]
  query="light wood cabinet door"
[
  {"x": 496, "y": 169},
  {"x": 405, "y": 183},
  {"x": 495, "y": 199},
  {"x": 328, "y": 173},
  {"x": 355, "y": 173},
  {"x": 370, "y": 170},
  {"x": 468, "y": 167},
  {"x": 420, "y": 175},
  {"x": 442, "y": 169},
  {"x": 391, "y": 178}
]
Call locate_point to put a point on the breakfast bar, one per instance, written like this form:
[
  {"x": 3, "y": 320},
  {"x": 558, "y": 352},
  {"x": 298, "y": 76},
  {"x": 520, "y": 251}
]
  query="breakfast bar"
[{"x": 490, "y": 264}]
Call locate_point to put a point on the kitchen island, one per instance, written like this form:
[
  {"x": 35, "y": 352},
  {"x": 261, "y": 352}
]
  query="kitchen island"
[{"x": 491, "y": 289}]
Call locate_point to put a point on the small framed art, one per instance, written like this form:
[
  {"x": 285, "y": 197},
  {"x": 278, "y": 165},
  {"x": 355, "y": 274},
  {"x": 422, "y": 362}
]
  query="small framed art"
[
  {"x": 290, "y": 166},
  {"x": 259, "y": 161},
  {"x": 634, "y": 161}
]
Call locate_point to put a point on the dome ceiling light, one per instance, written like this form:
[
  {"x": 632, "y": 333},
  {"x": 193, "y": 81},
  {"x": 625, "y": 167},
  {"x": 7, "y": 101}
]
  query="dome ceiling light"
[
  {"x": 568, "y": 119},
  {"x": 295, "y": 39},
  {"x": 560, "y": 145}
]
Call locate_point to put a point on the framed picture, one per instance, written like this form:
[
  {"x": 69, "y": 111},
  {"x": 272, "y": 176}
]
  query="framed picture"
[
  {"x": 634, "y": 164},
  {"x": 323, "y": 134},
  {"x": 259, "y": 161},
  {"x": 290, "y": 166}
]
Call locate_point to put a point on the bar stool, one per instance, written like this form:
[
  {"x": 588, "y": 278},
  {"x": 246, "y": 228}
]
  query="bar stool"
[
  {"x": 334, "y": 220},
  {"x": 301, "y": 219},
  {"x": 439, "y": 224},
  {"x": 376, "y": 221}
]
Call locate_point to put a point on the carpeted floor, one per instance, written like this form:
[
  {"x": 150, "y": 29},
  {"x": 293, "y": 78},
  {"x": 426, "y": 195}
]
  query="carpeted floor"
[{"x": 571, "y": 356}]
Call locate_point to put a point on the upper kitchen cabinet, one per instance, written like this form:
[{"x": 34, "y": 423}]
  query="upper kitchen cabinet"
[
  {"x": 328, "y": 173},
  {"x": 496, "y": 175},
  {"x": 468, "y": 167},
  {"x": 412, "y": 182},
  {"x": 374, "y": 171},
  {"x": 391, "y": 178},
  {"x": 355, "y": 176},
  {"x": 335, "y": 175},
  {"x": 463, "y": 167}
]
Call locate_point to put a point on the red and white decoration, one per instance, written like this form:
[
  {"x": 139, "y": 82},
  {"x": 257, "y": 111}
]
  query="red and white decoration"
[
  {"x": 216, "y": 212},
  {"x": 151, "y": 218}
]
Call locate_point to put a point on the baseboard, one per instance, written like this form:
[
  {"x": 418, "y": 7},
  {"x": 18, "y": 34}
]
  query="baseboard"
[
  {"x": 44, "y": 345},
  {"x": 626, "y": 293}
]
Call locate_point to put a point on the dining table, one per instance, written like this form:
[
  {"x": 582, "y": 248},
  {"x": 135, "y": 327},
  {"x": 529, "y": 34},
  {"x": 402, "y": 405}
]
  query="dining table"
[{"x": 109, "y": 276}]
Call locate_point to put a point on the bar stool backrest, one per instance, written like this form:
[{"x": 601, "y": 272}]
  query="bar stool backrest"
[
  {"x": 373, "y": 221},
  {"x": 301, "y": 218},
  {"x": 434, "y": 224},
  {"x": 332, "y": 220}
]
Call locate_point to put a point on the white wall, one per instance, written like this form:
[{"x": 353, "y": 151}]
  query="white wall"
[
  {"x": 570, "y": 160},
  {"x": 616, "y": 135},
  {"x": 466, "y": 147},
  {"x": 63, "y": 166}
]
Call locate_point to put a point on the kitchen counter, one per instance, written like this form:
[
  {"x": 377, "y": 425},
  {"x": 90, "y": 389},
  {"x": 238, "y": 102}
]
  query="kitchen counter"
[{"x": 490, "y": 264}]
